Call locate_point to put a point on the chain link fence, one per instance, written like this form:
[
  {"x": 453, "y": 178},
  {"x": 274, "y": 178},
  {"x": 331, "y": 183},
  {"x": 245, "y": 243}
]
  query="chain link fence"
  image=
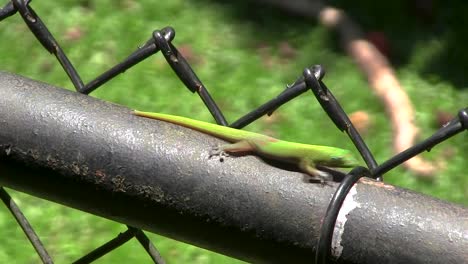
[{"x": 161, "y": 41}]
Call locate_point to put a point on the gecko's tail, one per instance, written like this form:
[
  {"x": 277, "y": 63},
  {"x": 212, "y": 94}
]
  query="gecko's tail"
[{"x": 226, "y": 133}]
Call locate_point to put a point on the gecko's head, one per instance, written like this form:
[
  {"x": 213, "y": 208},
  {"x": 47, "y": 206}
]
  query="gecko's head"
[{"x": 341, "y": 159}]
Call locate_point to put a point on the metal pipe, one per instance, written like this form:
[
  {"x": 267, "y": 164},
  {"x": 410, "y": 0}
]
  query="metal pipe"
[{"x": 97, "y": 157}]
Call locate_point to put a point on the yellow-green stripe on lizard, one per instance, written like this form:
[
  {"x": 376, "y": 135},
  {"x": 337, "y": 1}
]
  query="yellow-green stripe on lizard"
[{"x": 305, "y": 156}]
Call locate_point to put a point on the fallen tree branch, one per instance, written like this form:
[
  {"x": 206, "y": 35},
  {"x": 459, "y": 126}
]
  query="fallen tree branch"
[
  {"x": 383, "y": 81},
  {"x": 381, "y": 77}
]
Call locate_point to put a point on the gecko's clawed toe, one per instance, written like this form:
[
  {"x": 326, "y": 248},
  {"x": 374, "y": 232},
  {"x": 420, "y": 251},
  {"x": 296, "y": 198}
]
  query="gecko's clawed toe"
[
  {"x": 320, "y": 177},
  {"x": 217, "y": 151}
]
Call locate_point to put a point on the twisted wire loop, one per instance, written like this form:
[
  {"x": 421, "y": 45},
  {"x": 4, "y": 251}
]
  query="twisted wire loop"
[
  {"x": 342, "y": 122},
  {"x": 311, "y": 79}
]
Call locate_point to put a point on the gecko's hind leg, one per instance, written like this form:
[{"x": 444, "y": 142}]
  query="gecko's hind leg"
[
  {"x": 224, "y": 150},
  {"x": 218, "y": 151}
]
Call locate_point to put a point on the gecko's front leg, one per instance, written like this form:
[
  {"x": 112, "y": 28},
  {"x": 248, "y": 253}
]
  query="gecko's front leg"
[{"x": 314, "y": 173}]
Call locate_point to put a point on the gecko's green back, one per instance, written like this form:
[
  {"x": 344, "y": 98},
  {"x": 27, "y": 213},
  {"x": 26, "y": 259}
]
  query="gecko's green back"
[{"x": 314, "y": 154}]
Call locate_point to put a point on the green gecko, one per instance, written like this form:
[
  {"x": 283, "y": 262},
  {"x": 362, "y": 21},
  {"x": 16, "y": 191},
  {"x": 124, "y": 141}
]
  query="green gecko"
[{"x": 305, "y": 156}]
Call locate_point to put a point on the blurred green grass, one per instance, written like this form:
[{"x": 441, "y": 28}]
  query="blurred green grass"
[{"x": 244, "y": 55}]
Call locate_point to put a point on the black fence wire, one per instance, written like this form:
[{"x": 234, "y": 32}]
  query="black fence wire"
[{"x": 311, "y": 79}]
